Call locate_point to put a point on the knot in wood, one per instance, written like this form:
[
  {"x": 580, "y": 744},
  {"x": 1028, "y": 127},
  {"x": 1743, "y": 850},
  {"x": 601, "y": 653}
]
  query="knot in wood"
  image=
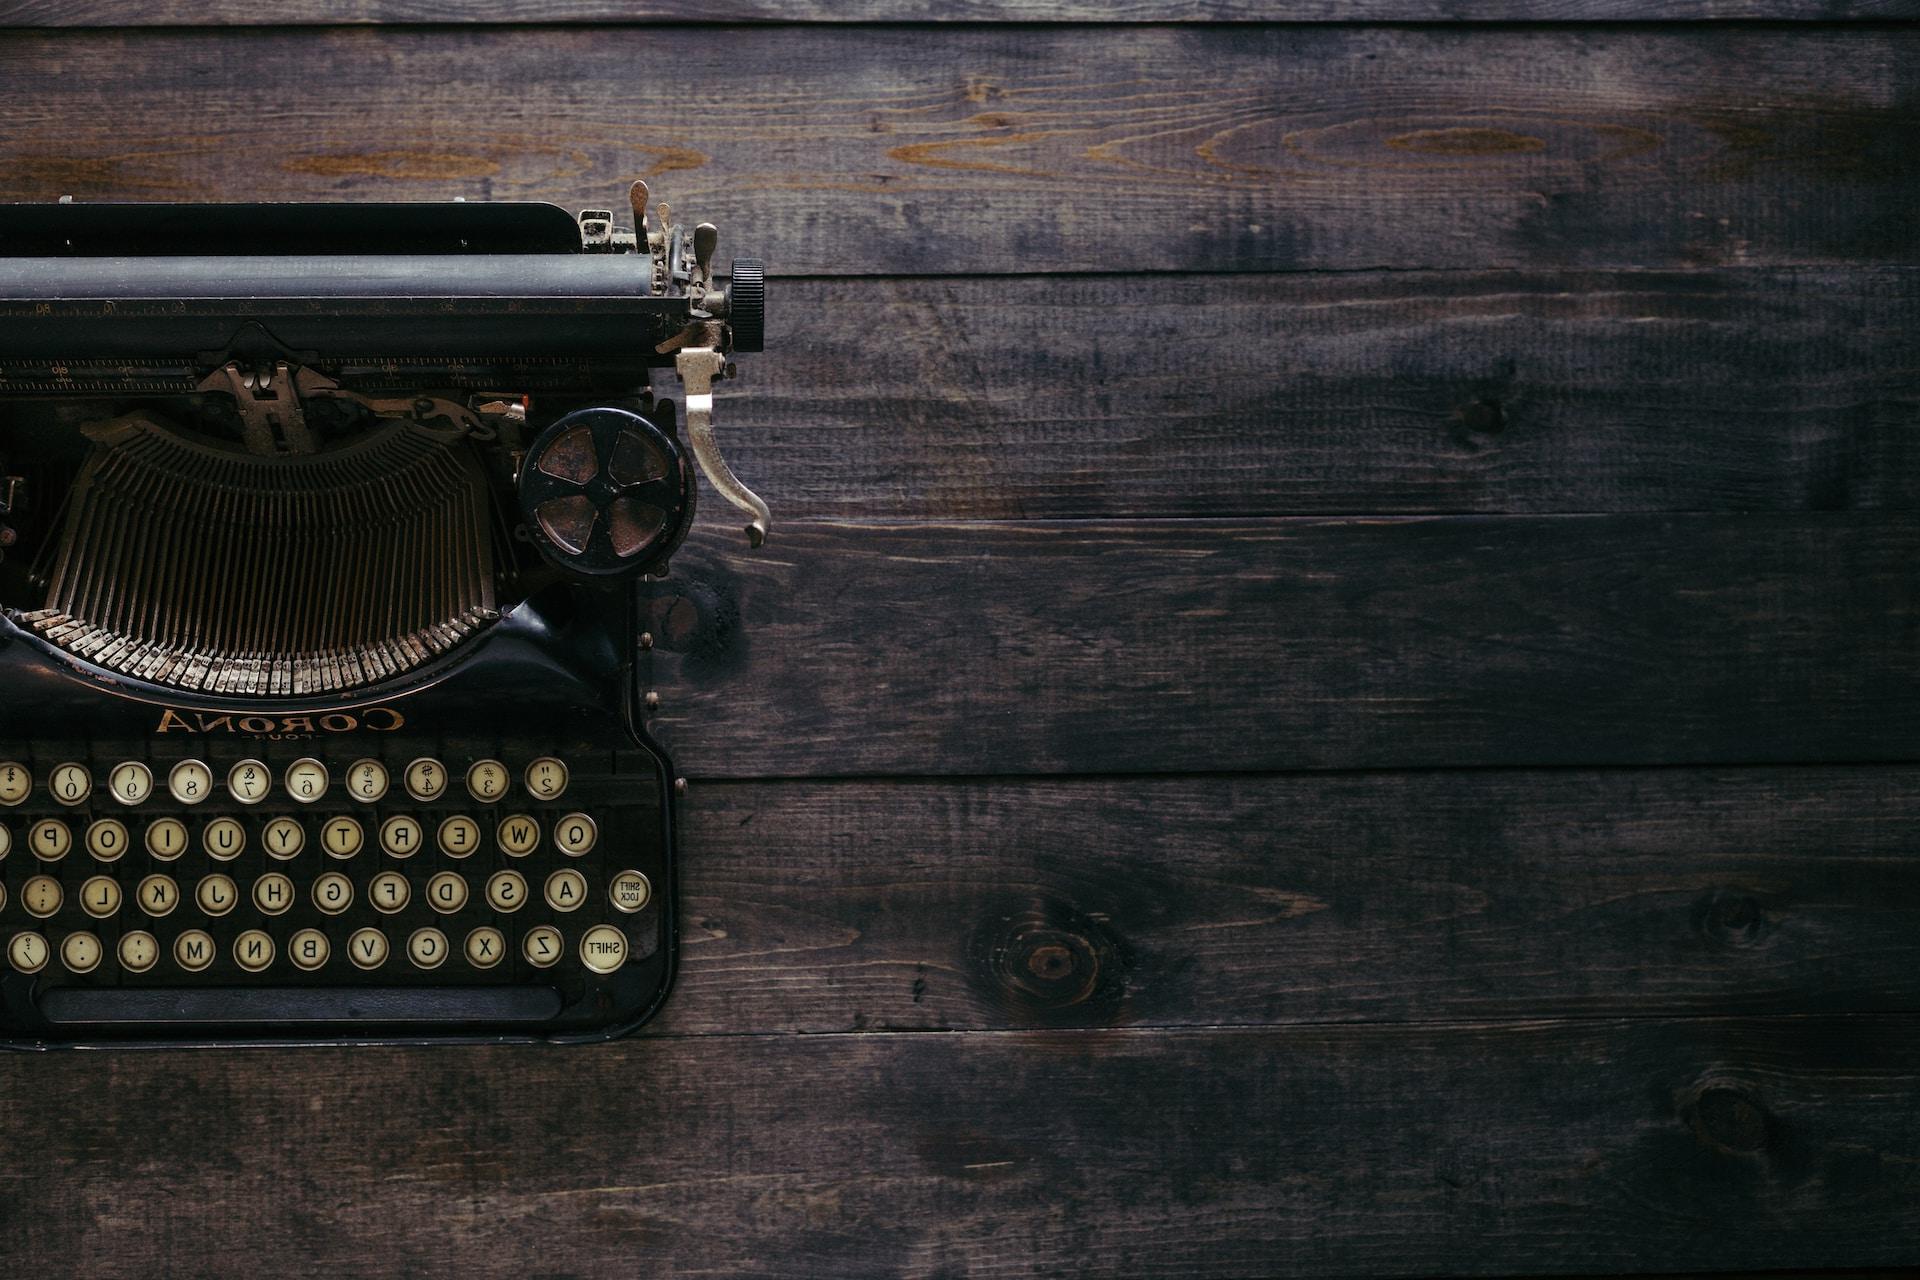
[
  {"x": 1733, "y": 917},
  {"x": 1731, "y": 1119},
  {"x": 1051, "y": 964}
]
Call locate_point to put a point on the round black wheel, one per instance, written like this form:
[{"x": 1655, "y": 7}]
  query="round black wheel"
[{"x": 606, "y": 493}]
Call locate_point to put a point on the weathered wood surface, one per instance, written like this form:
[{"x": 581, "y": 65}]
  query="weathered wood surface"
[
  {"x": 1067, "y": 647},
  {"x": 1199, "y": 901},
  {"x": 1114, "y": 396},
  {"x": 1544, "y": 1146},
  {"x": 884, "y": 149}
]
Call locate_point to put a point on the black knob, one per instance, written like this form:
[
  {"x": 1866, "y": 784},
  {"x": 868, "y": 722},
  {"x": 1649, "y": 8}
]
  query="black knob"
[
  {"x": 747, "y": 304},
  {"x": 606, "y": 493}
]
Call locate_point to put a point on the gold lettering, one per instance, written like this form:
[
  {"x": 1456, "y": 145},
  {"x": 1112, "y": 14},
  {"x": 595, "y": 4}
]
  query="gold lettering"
[
  {"x": 210, "y": 723},
  {"x": 338, "y": 723},
  {"x": 256, "y": 724},
  {"x": 296, "y": 724},
  {"x": 397, "y": 719},
  {"x": 170, "y": 720}
]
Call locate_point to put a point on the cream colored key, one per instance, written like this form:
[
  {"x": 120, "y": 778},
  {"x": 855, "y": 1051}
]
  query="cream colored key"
[
  {"x": 401, "y": 835},
  {"x": 283, "y": 838},
  {"x": 107, "y": 839},
  {"x": 216, "y": 894},
  {"x": 486, "y": 947},
  {"x": 50, "y": 839},
  {"x": 308, "y": 949},
  {"x": 575, "y": 834},
  {"x": 307, "y": 780},
  {"x": 158, "y": 895},
  {"x": 250, "y": 781},
  {"x": 342, "y": 837},
  {"x": 459, "y": 836},
  {"x": 547, "y": 778},
  {"x": 130, "y": 782},
  {"x": 16, "y": 782},
  {"x": 518, "y": 835},
  {"x": 488, "y": 780},
  {"x": 273, "y": 894},
  {"x": 566, "y": 889},
  {"x": 28, "y": 952},
  {"x": 253, "y": 950},
  {"x": 100, "y": 896},
  {"x": 367, "y": 780},
  {"x": 81, "y": 952},
  {"x": 506, "y": 890},
  {"x": 542, "y": 946},
  {"x": 224, "y": 839},
  {"x": 367, "y": 948},
  {"x": 41, "y": 896},
  {"x": 426, "y": 778},
  {"x": 167, "y": 838},
  {"x": 6, "y": 840},
  {"x": 3, "y": 895},
  {"x": 389, "y": 892},
  {"x": 630, "y": 891},
  {"x": 446, "y": 892},
  {"x": 603, "y": 948},
  {"x": 190, "y": 782},
  {"x": 139, "y": 950},
  {"x": 193, "y": 950},
  {"x": 427, "y": 948},
  {"x": 333, "y": 893},
  {"x": 70, "y": 783}
]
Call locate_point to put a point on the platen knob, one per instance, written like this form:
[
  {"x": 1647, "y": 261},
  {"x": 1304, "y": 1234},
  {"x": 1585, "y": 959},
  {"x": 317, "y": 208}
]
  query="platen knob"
[
  {"x": 605, "y": 492},
  {"x": 747, "y": 304}
]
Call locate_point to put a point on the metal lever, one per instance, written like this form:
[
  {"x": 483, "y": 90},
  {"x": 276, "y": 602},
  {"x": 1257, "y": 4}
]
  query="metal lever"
[{"x": 698, "y": 367}]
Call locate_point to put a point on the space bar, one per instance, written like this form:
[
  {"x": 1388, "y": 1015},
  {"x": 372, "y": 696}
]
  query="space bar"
[{"x": 233, "y": 1005}]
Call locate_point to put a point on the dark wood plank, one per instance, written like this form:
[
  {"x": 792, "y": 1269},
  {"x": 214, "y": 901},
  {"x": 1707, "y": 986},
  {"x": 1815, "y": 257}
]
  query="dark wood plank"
[
  {"x": 1101, "y": 396},
  {"x": 915, "y": 150},
  {"x": 1301, "y": 1151},
  {"x": 1290, "y": 644},
  {"x": 1305, "y": 898}
]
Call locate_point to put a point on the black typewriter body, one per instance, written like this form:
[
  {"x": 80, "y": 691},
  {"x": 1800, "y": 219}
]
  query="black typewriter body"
[{"x": 322, "y": 674}]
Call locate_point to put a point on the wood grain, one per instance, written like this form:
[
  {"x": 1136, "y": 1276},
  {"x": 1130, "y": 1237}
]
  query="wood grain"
[
  {"x": 1263, "y": 900},
  {"x": 1545, "y": 1146},
  {"x": 1289, "y": 644},
  {"x": 1394, "y": 392},
  {"x": 977, "y": 149}
]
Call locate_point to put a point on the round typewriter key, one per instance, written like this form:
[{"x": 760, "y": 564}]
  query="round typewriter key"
[
  {"x": 27, "y": 952},
  {"x": 224, "y": 839},
  {"x": 190, "y": 782},
  {"x": 343, "y": 836},
  {"x": 130, "y": 782},
  {"x": 41, "y": 896},
  {"x": 630, "y": 891},
  {"x": 167, "y": 839},
  {"x": 284, "y": 838},
  {"x": 81, "y": 952},
  {"x": 389, "y": 892},
  {"x": 16, "y": 782},
  {"x": 70, "y": 783},
  {"x": 216, "y": 894},
  {"x": 50, "y": 839},
  {"x": 3, "y": 895},
  {"x": 107, "y": 839},
  {"x": 485, "y": 947},
  {"x": 603, "y": 949},
  {"x": 367, "y": 948},
  {"x": 542, "y": 946},
  {"x": 138, "y": 951},
  {"x": 519, "y": 835},
  {"x": 273, "y": 894},
  {"x": 427, "y": 948},
  {"x": 333, "y": 893},
  {"x": 446, "y": 893},
  {"x": 306, "y": 780},
  {"x": 308, "y": 949},
  {"x": 566, "y": 889},
  {"x": 506, "y": 890},
  {"x": 547, "y": 778},
  {"x": 459, "y": 836},
  {"x": 426, "y": 778},
  {"x": 400, "y": 835},
  {"x": 253, "y": 950},
  {"x": 158, "y": 895},
  {"x": 6, "y": 840},
  {"x": 249, "y": 781},
  {"x": 193, "y": 950},
  {"x": 575, "y": 834},
  {"x": 100, "y": 896},
  {"x": 487, "y": 780},
  {"x": 367, "y": 780}
]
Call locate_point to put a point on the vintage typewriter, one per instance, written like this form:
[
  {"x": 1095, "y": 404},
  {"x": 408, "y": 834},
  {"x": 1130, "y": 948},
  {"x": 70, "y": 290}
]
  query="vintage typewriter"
[{"x": 322, "y": 665}]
